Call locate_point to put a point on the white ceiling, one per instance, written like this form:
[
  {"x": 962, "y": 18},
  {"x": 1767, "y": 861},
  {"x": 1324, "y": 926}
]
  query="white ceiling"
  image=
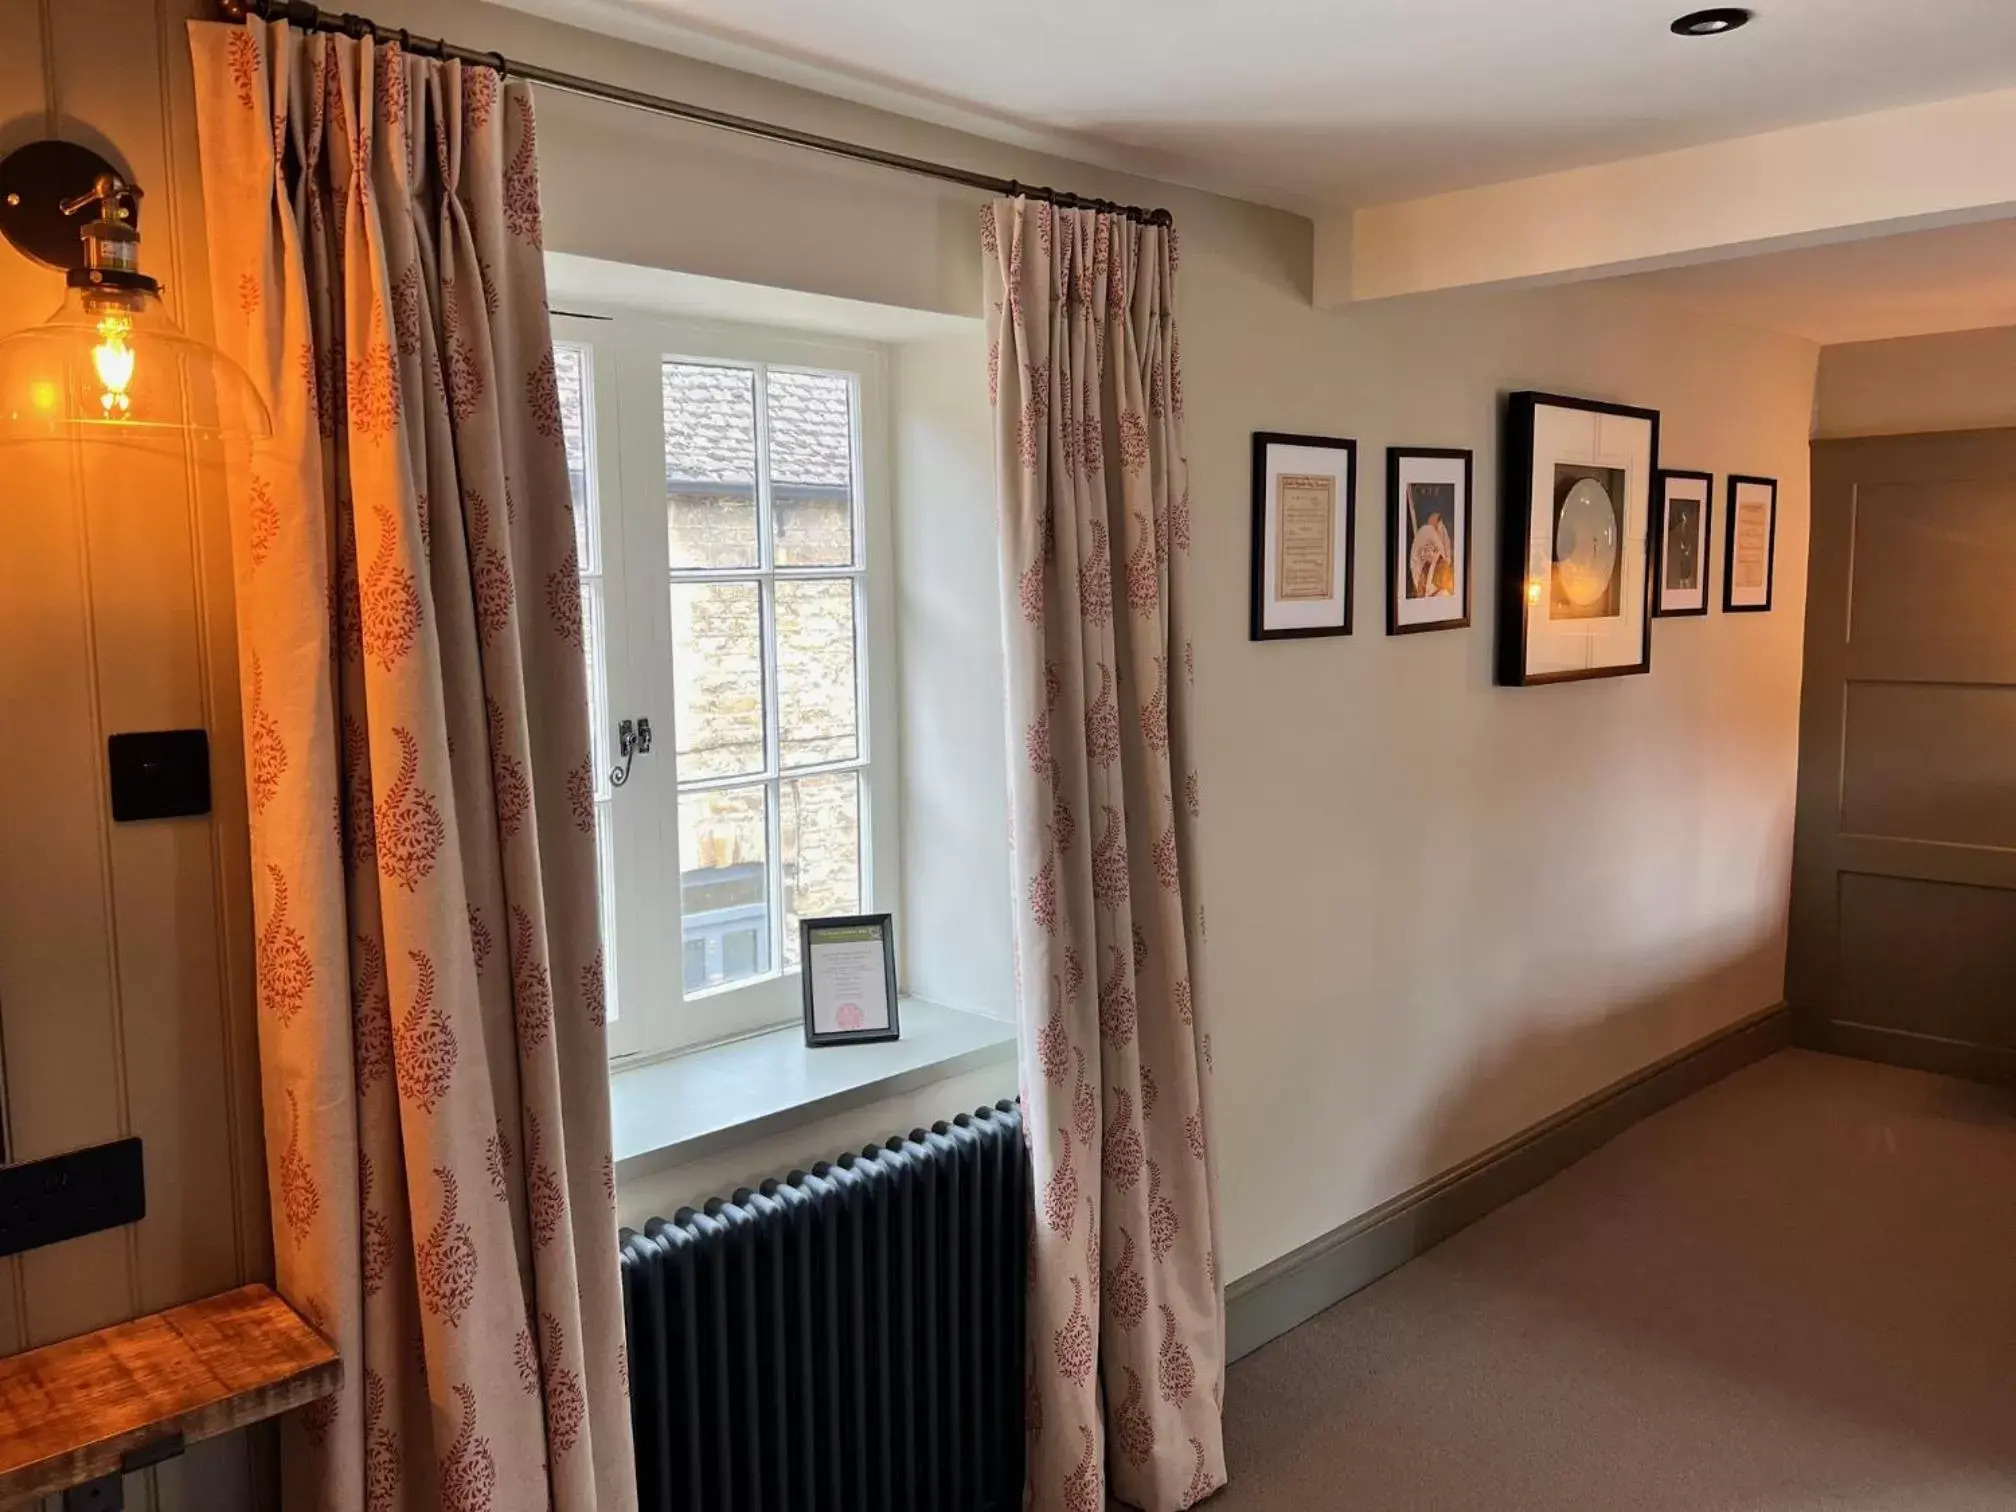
[
  {"x": 1315, "y": 103},
  {"x": 1960, "y": 278}
]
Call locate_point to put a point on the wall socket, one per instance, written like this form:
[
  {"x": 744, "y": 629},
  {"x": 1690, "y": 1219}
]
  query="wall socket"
[{"x": 69, "y": 1195}]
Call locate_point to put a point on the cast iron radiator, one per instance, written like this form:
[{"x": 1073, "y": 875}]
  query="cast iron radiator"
[{"x": 845, "y": 1341}]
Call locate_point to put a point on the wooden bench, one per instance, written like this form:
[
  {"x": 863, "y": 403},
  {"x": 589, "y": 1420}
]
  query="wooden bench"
[{"x": 106, "y": 1403}]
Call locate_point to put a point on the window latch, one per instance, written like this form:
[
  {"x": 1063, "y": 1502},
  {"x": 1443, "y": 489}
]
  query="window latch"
[{"x": 632, "y": 738}]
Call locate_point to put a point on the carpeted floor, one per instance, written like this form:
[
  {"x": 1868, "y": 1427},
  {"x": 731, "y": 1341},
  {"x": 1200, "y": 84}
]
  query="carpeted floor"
[{"x": 1796, "y": 1290}]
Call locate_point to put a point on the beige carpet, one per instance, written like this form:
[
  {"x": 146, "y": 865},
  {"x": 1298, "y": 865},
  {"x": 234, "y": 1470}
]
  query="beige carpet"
[{"x": 1796, "y": 1290}]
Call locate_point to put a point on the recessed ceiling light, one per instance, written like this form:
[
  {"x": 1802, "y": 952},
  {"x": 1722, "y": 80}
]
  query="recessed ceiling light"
[{"x": 1712, "y": 23}]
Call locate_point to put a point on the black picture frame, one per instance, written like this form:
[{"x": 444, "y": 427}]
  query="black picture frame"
[
  {"x": 1257, "y": 628},
  {"x": 883, "y": 923},
  {"x": 1707, "y": 482},
  {"x": 1514, "y": 531},
  {"x": 1395, "y": 456},
  {"x": 1729, "y": 605}
]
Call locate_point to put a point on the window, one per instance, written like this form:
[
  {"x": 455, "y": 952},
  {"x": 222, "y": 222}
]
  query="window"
[{"x": 733, "y": 535}]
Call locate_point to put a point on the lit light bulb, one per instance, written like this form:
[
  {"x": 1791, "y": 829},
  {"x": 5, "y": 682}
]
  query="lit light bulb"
[
  {"x": 113, "y": 359},
  {"x": 1533, "y": 590},
  {"x": 79, "y": 372}
]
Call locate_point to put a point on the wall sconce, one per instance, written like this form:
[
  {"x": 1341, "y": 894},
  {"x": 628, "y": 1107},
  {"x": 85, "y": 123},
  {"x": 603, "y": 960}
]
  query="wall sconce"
[{"x": 110, "y": 362}]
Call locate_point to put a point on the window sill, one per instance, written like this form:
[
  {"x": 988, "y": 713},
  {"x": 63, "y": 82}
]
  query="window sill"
[{"x": 672, "y": 1111}]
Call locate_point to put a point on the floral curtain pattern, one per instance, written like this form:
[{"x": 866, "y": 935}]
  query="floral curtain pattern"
[
  {"x": 1126, "y": 1307},
  {"x": 418, "y": 767}
]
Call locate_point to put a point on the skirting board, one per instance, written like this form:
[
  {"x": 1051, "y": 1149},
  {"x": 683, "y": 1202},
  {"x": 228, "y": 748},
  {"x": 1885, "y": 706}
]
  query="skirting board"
[
  {"x": 1290, "y": 1291},
  {"x": 1995, "y": 1064}
]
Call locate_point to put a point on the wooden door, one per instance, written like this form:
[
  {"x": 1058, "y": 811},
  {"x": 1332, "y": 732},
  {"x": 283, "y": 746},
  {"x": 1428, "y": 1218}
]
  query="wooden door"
[{"x": 1903, "y": 942}]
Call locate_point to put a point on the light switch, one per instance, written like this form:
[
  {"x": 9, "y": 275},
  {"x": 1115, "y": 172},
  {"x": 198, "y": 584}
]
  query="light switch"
[{"x": 159, "y": 774}]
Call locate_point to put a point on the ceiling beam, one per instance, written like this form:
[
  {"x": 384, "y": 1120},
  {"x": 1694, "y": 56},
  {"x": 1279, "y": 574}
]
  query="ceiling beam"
[{"x": 1860, "y": 176}]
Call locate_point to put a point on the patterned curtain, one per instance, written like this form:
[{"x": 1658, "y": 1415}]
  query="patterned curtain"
[
  {"x": 418, "y": 770},
  {"x": 1126, "y": 1305}
]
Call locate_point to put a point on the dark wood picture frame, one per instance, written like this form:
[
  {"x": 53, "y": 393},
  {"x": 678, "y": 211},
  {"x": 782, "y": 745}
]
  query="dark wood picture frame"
[
  {"x": 1729, "y": 548},
  {"x": 886, "y": 925},
  {"x": 1515, "y": 519},
  {"x": 1257, "y": 623},
  {"x": 1395, "y": 455},
  {"x": 1707, "y": 479}
]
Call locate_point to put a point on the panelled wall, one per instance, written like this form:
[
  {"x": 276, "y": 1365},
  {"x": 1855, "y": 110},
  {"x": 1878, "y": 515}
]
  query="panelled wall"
[{"x": 125, "y": 957}]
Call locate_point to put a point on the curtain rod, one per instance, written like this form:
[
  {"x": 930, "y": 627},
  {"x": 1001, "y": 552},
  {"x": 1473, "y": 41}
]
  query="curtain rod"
[{"x": 312, "y": 18}]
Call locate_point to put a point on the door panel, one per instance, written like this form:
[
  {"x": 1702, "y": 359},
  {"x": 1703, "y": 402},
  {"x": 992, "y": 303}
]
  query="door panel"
[
  {"x": 1931, "y": 591},
  {"x": 1930, "y": 958},
  {"x": 1904, "y": 872},
  {"x": 1925, "y": 761}
]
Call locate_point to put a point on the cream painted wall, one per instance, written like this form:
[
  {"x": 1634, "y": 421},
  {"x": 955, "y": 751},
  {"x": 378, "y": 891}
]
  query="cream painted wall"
[
  {"x": 1958, "y": 380},
  {"x": 1439, "y": 911}
]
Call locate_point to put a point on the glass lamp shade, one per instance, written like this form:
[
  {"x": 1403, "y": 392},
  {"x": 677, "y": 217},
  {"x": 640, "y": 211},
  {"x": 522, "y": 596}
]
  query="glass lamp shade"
[{"x": 112, "y": 363}]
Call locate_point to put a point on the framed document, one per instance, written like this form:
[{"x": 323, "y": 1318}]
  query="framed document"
[
  {"x": 849, "y": 970},
  {"x": 1749, "y": 557},
  {"x": 1680, "y": 535},
  {"x": 1575, "y": 558},
  {"x": 1427, "y": 539},
  {"x": 1304, "y": 511}
]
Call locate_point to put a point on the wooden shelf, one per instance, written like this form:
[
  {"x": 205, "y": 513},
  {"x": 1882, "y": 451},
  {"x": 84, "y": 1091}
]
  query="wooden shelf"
[{"x": 71, "y": 1412}]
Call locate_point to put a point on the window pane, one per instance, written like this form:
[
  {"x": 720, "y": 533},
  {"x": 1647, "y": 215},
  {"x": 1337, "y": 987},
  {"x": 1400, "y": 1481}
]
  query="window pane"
[
  {"x": 570, "y": 366},
  {"x": 710, "y": 465},
  {"x": 811, "y": 468},
  {"x": 717, "y": 678},
  {"x": 724, "y": 885},
  {"x": 815, "y": 671},
  {"x": 820, "y": 824}
]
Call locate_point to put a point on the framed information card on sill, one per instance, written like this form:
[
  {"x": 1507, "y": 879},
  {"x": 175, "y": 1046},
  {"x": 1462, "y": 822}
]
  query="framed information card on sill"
[{"x": 849, "y": 972}]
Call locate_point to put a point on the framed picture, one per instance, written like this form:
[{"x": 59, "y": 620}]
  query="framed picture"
[
  {"x": 1750, "y": 555},
  {"x": 849, "y": 970},
  {"x": 1575, "y": 559},
  {"x": 1427, "y": 539},
  {"x": 1681, "y": 531},
  {"x": 1305, "y": 513}
]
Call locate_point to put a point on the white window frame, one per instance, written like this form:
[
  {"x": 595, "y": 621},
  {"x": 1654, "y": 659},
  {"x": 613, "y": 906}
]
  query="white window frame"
[{"x": 655, "y": 1016}]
